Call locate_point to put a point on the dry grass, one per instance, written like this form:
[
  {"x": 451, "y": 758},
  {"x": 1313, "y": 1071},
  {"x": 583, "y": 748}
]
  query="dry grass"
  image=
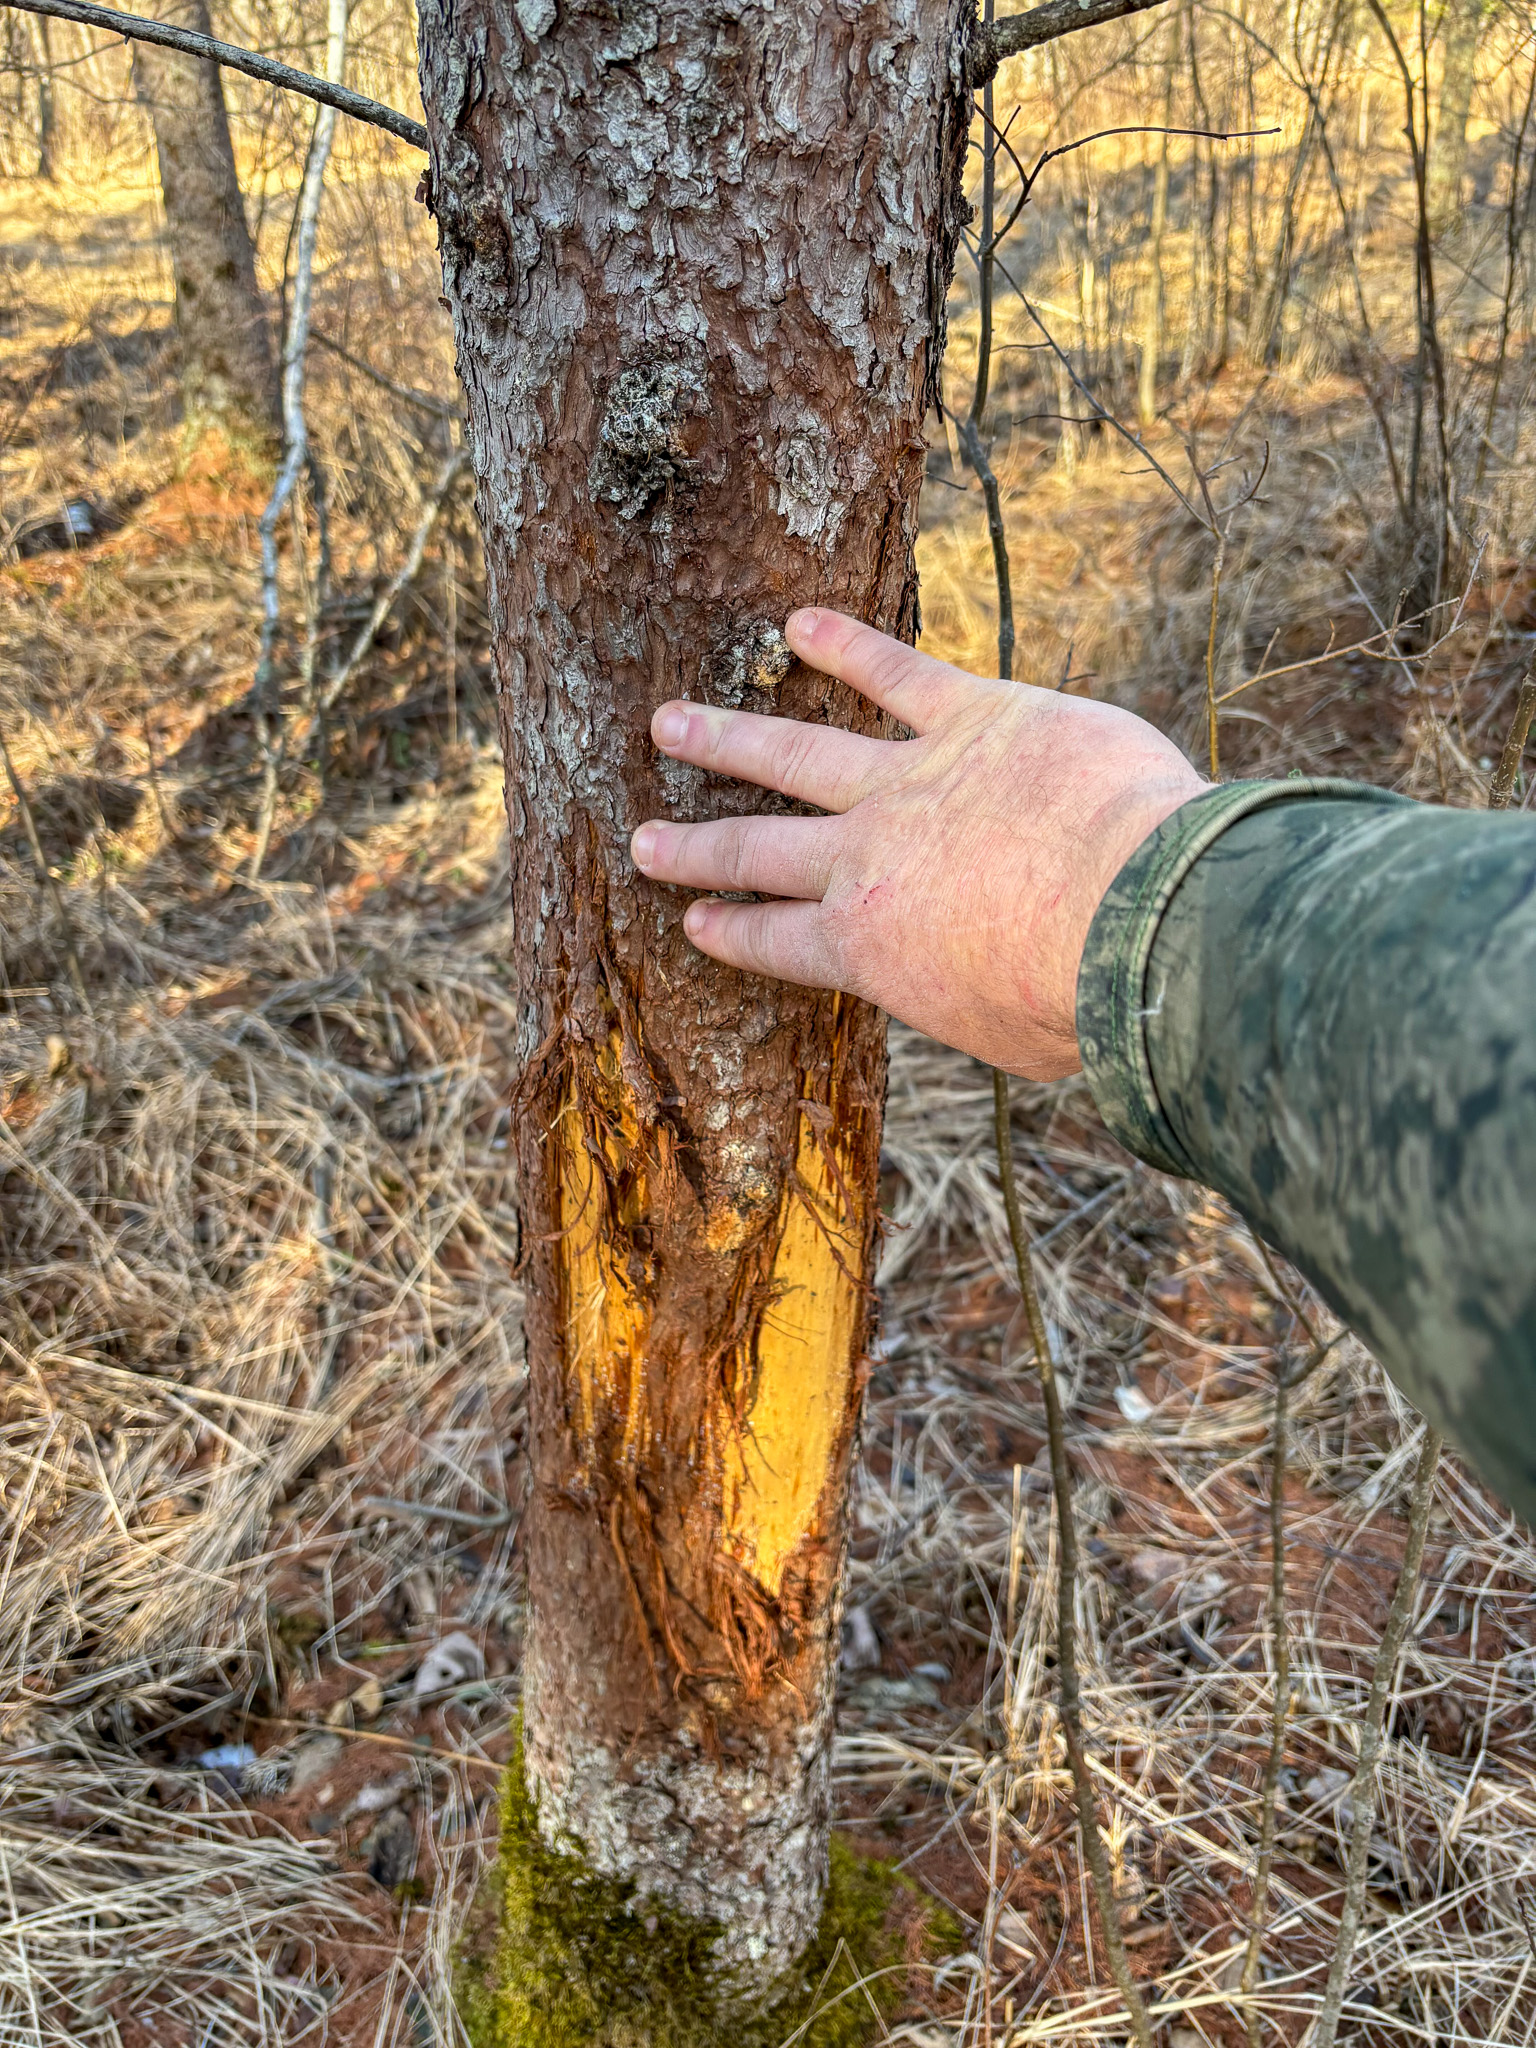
[{"x": 260, "y": 1386}]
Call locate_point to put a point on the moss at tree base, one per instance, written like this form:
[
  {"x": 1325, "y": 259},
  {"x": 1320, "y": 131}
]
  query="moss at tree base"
[{"x": 556, "y": 1956}]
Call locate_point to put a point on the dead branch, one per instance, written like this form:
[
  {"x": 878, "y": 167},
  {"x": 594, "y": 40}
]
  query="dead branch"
[
  {"x": 1502, "y": 787},
  {"x": 1016, "y": 32},
  {"x": 1094, "y": 1853},
  {"x": 1363, "y": 1788},
  {"x": 447, "y": 476},
  {"x": 1280, "y": 1650},
  {"x": 233, "y": 58},
  {"x": 45, "y": 875},
  {"x": 296, "y": 448}
]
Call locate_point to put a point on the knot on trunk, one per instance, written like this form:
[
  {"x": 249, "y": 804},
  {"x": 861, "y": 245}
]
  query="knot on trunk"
[
  {"x": 747, "y": 669},
  {"x": 641, "y": 449}
]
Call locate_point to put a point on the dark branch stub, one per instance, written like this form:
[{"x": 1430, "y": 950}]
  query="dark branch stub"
[
  {"x": 1017, "y": 32},
  {"x": 233, "y": 57}
]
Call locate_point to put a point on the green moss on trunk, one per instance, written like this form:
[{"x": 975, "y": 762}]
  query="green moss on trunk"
[{"x": 558, "y": 1956}]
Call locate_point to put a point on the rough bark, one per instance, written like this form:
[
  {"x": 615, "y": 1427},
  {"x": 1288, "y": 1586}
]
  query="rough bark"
[
  {"x": 229, "y": 377},
  {"x": 696, "y": 253}
]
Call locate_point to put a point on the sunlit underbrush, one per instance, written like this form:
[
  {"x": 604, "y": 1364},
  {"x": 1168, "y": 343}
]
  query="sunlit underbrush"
[{"x": 260, "y": 1380}]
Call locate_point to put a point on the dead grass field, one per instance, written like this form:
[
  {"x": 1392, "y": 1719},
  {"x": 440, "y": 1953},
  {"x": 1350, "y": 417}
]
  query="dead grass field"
[{"x": 261, "y": 1398}]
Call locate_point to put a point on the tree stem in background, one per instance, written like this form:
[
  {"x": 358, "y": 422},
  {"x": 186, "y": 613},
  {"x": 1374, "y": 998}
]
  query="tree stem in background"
[
  {"x": 1094, "y": 1853},
  {"x": 231, "y": 57},
  {"x": 1502, "y": 788},
  {"x": 267, "y": 696},
  {"x": 1212, "y": 715},
  {"x": 1363, "y": 1788},
  {"x": 1280, "y": 1650},
  {"x": 45, "y": 874},
  {"x": 1152, "y": 322}
]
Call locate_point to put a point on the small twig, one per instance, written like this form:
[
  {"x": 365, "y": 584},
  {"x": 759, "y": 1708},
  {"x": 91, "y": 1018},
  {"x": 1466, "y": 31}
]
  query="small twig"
[
  {"x": 1363, "y": 1788},
  {"x": 1094, "y": 1853},
  {"x": 421, "y": 1749},
  {"x": 1017, "y": 32},
  {"x": 1027, "y": 178},
  {"x": 968, "y": 429},
  {"x": 1280, "y": 1649},
  {"x": 1101, "y": 411},
  {"x": 266, "y": 698},
  {"x": 438, "y": 408},
  {"x": 1502, "y": 788},
  {"x": 233, "y": 58},
  {"x": 1367, "y": 646},
  {"x": 447, "y": 476},
  {"x": 429, "y": 1511},
  {"x": 1218, "y": 563},
  {"x": 45, "y": 875}
]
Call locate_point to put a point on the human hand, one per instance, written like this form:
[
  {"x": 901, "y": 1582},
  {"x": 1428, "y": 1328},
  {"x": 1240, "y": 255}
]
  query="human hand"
[{"x": 955, "y": 880}]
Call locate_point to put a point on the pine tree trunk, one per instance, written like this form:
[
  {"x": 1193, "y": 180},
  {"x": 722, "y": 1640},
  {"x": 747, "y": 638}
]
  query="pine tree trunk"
[
  {"x": 229, "y": 376},
  {"x": 696, "y": 253}
]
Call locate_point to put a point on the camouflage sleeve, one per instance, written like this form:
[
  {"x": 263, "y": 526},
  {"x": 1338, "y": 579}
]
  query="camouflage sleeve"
[{"x": 1320, "y": 999}]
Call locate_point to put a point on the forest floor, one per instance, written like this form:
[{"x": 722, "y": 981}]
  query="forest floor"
[{"x": 261, "y": 1399}]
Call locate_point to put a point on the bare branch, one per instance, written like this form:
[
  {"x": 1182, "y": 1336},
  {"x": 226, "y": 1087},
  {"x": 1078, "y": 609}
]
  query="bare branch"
[
  {"x": 233, "y": 58},
  {"x": 267, "y": 697},
  {"x": 447, "y": 477},
  {"x": 1094, "y": 1853},
  {"x": 1017, "y": 32},
  {"x": 1364, "y": 1791},
  {"x": 1502, "y": 788},
  {"x": 45, "y": 875}
]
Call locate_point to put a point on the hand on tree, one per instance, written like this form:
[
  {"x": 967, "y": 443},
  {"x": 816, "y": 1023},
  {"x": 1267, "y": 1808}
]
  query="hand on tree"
[{"x": 954, "y": 881}]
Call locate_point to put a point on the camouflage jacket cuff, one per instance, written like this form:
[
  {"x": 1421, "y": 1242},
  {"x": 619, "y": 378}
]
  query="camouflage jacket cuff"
[{"x": 1112, "y": 1001}]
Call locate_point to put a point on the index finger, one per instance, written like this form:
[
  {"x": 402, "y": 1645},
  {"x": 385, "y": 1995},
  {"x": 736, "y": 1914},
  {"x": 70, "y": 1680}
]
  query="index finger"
[{"x": 913, "y": 687}]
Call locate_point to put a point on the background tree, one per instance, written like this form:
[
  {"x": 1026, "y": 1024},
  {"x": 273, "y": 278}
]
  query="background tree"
[
  {"x": 1461, "y": 30},
  {"x": 229, "y": 377},
  {"x": 697, "y": 260},
  {"x": 35, "y": 27}
]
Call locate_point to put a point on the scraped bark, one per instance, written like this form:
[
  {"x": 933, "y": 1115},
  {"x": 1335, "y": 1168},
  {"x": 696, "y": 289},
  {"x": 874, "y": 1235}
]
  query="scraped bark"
[
  {"x": 696, "y": 253},
  {"x": 229, "y": 376}
]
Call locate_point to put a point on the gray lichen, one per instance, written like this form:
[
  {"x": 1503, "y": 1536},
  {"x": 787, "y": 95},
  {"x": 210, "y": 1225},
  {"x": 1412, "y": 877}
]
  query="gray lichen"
[
  {"x": 534, "y": 17},
  {"x": 640, "y": 453},
  {"x": 749, "y": 669}
]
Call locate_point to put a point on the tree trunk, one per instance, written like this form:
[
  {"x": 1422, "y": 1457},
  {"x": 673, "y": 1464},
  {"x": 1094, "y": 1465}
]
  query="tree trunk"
[
  {"x": 696, "y": 253},
  {"x": 47, "y": 112},
  {"x": 1463, "y": 23},
  {"x": 229, "y": 377},
  {"x": 1152, "y": 302}
]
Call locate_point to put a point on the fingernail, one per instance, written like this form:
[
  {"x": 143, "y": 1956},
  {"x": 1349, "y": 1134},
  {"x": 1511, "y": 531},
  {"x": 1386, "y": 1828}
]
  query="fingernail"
[
  {"x": 695, "y": 918},
  {"x": 643, "y": 845},
  {"x": 670, "y": 725},
  {"x": 804, "y": 622}
]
